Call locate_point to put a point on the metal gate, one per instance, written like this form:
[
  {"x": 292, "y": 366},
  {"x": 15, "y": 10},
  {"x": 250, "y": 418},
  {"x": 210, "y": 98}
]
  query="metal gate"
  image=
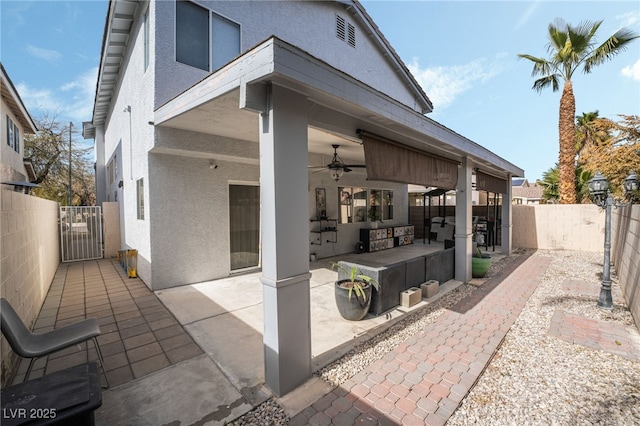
[{"x": 80, "y": 233}]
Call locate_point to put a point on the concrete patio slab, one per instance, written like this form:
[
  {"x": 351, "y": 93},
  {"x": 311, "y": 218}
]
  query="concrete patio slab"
[
  {"x": 192, "y": 303},
  {"x": 191, "y": 392},
  {"x": 233, "y": 341}
]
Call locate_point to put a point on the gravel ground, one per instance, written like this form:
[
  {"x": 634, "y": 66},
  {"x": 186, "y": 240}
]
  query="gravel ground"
[
  {"x": 533, "y": 378},
  {"x": 537, "y": 379}
]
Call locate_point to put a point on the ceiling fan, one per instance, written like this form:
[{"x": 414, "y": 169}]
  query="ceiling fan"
[{"x": 338, "y": 167}]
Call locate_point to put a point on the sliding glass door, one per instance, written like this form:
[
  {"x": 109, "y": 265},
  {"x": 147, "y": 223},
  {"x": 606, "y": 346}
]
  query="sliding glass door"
[{"x": 244, "y": 226}]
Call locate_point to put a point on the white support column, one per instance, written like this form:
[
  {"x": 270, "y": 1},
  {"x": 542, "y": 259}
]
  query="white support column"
[
  {"x": 285, "y": 238},
  {"x": 464, "y": 223},
  {"x": 506, "y": 237}
]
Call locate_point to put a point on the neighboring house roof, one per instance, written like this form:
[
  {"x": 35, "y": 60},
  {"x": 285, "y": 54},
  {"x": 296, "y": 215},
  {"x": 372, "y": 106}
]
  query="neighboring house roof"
[
  {"x": 529, "y": 192},
  {"x": 519, "y": 182},
  {"x": 13, "y": 100},
  {"x": 121, "y": 15}
]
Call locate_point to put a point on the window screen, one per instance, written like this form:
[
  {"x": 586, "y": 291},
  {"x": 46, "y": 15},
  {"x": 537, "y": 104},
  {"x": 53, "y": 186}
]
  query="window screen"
[
  {"x": 192, "y": 35},
  {"x": 225, "y": 40}
]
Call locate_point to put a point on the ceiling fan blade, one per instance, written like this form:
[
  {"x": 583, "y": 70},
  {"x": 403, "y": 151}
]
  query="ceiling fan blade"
[
  {"x": 354, "y": 165},
  {"x": 346, "y": 169}
]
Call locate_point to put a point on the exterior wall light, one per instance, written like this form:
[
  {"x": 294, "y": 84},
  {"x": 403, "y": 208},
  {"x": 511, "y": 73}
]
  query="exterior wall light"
[{"x": 599, "y": 190}]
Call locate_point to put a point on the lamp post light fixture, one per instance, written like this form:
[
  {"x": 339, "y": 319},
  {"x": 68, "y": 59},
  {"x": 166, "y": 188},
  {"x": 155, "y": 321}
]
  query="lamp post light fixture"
[{"x": 599, "y": 190}]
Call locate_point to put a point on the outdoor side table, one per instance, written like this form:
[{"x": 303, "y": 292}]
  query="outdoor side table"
[{"x": 66, "y": 397}]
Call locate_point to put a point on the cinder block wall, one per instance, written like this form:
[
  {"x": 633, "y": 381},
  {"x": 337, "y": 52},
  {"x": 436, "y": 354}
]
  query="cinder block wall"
[
  {"x": 29, "y": 258},
  {"x": 559, "y": 227},
  {"x": 625, "y": 252}
]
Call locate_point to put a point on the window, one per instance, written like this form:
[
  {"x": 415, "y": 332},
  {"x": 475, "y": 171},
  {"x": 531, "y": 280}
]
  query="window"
[
  {"x": 204, "y": 39},
  {"x": 387, "y": 204},
  {"x": 16, "y": 138},
  {"x": 9, "y": 132},
  {"x": 380, "y": 205},
  {"x": 140, "y": 197},
  {"x": 353, "y": 205},
  {"x": 146, "y": 40},
  {"x": 13, "y": 135}
]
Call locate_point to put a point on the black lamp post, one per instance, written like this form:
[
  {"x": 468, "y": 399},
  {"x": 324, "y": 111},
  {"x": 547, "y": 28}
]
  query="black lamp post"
[{"x": 599, "y": 190}]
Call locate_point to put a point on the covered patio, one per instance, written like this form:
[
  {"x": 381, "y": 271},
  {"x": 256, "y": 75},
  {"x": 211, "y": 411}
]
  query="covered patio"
[
  {"x": 225, "y": 317},
  {"x": 280, "y": 109}
]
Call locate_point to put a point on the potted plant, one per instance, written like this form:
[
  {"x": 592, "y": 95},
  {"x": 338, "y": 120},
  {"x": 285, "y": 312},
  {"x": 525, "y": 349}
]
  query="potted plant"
[
  {"x": 353, "y": 294},
  {"x": 480, "y": 264},
  {"x": 374, "y": 216}
]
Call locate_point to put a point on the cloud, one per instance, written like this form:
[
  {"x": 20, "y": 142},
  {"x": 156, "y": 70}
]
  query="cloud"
[
  {"x": 629, "y": 19},
  {"x": 72, "y": 100},
  {"x": 527, "y": 15},
  {"x": 39, "y": 99},
  {"x": 82, "y": 92},
  {"x": 632, "y": 71},
  {"x": 444, "y": 84},
  {"x": 46, "y": 54}
]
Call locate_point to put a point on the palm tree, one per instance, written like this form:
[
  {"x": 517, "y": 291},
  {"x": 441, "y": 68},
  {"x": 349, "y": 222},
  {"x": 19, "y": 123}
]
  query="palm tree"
[
  {"x": 585, "y": 129},
  {"x": 571, "y": 47},
  {"x": 550, "y": 184}
]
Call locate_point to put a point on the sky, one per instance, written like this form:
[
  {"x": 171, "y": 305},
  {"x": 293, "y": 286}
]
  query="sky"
[{"x": 463, "y": 54}]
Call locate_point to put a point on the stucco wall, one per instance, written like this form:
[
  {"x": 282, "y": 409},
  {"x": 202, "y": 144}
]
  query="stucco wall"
[
  {"x": 129, "y": 136},
  {"x": 625, "y": 252},
  {"x": 559, "y": 227},
  {"x": 30, "y": 256},
  {"x": 189, "y": 206},
  {"x": 12, "y": 165},
  {"x": 308, "y": 25}
]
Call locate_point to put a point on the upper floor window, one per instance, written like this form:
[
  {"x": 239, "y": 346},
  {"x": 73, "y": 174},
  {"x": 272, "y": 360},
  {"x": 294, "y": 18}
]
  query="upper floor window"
[
  {"x": 13, "y": 135},
  {"x": 204, "y": 39}
]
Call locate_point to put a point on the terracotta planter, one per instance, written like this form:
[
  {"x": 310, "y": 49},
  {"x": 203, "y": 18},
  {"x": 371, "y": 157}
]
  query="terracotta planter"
[
  {"x": 480, "y": 266},
  {"x": 353, "y": 309}
]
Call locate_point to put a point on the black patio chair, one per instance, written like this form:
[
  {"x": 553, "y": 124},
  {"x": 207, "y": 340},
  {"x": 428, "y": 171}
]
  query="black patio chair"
[{"x": 36, "y": 345}]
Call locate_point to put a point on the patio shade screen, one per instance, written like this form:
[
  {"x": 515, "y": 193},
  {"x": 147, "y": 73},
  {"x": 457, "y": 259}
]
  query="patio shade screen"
[
  {"x": 389, "y": 161},
  {"x": 485, "y": 182}
]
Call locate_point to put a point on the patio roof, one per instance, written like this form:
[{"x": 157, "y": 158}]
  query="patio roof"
[{"x": 226, "y": 102}]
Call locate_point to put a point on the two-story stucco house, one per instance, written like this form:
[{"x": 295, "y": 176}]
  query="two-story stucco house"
[
  {"x": 213, "y": 121},
  {"x": 15, "y": 171}
]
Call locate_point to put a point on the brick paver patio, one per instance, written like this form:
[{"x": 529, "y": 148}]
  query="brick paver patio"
[
  {"x": 424, "y": 379},
  {"x": 139, "y": 335}
]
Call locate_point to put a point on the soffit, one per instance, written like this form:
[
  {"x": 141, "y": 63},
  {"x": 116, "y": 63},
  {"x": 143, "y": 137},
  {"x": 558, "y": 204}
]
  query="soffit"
[{"x": 114, "y": 45}]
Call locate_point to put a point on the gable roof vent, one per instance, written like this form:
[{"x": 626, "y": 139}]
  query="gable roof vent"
[{"x": 345, "y": 31}]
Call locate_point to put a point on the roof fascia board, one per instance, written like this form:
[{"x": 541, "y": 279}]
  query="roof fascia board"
[
  {"x": 300, "y": 67},
  {"x": 29, "y": 126},
  {"x": 252, "y": 66},
  {"x": 366, "y": 20}
]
